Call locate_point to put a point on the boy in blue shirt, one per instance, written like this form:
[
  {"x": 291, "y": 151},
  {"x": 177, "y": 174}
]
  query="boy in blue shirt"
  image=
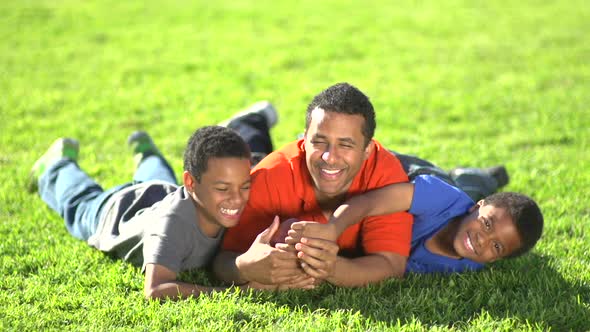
[{"x": 450, "y": 233}]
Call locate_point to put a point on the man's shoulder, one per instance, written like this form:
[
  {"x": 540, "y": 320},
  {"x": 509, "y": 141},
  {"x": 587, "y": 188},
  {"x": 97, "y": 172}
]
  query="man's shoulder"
[
  {"x": 385, "y": 156},
  {"x": 282, "y": 161},
  {"x": 382, "y": 167}
]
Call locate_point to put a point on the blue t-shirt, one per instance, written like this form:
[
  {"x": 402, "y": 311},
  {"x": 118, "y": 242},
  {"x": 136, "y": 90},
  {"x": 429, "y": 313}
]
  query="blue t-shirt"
[{"x": 434, "y": 205}]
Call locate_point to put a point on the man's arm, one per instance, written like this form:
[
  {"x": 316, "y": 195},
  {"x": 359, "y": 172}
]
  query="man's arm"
[
  {"x": 392, "y": 198},
  {"x": 320, "y": 261},
  {"x": 160, "y": 283},
  {"x": 367, "y": 269}
]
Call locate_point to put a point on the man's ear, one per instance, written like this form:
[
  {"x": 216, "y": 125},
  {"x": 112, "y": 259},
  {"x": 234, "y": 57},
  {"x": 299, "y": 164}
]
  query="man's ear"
[
  {"x": 369, "y": 149},
  {"x": 476, "y": 206},
  {"x": 189, "y": 181}
]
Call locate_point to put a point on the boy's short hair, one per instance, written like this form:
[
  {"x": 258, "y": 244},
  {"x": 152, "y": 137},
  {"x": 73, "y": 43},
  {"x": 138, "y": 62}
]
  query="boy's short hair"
[
  {"x": 212, "y": 142},
  {"x": 346, "y": 99},
  {"x": 526, "y": 215}
]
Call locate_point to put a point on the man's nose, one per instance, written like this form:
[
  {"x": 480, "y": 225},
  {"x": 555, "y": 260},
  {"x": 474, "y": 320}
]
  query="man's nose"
[{"x": 329, "y": 154}]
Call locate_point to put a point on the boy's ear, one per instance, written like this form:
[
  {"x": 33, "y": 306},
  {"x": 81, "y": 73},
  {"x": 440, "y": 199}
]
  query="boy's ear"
[
  {"x": 188, "y": 180},
  {"x": 476, "y": 206}
]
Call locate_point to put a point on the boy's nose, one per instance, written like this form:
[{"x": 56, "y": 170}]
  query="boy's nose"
[
  {"x": 237, "y": 197},
  {"x": 482, "y": 239}
]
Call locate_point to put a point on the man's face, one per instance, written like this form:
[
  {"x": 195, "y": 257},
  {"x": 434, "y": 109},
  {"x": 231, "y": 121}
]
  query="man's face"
[
  {"x": 334, "y": 151},
  {"x": 222, "y": 193},
  {"x": 486, "y": 234}
]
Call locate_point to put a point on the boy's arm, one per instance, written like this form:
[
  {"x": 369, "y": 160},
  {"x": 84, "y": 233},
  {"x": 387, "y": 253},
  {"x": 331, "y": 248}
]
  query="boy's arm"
[
  {"x": 160, "y": 283},
  {"x": 392, "y": 198}
]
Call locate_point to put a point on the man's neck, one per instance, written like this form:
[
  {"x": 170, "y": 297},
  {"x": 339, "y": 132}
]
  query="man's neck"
[{"x": 328, "y": 204}]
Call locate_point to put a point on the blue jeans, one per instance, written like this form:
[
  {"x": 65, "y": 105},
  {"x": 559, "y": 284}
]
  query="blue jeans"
[{"x": 78, "y": 199}]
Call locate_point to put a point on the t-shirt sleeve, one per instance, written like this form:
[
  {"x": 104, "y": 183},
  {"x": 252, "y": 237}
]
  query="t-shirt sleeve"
[
  {"x": 433, "y": 196},
  {"x": 392, "y": 233},
  {"x": 166, "y": 245}
]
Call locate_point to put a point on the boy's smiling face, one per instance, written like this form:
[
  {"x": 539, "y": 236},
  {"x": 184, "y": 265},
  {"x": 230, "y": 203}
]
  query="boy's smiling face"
[
  {"x": 486, "y": 234},
  {"x": 222, "y": 193}
]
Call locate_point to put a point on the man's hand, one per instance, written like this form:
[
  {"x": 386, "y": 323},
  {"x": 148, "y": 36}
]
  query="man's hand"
[
  {"x": 311, "y": 229},
  {"x": 267, "y": 265},
  {"x": 317, "y": 256}
]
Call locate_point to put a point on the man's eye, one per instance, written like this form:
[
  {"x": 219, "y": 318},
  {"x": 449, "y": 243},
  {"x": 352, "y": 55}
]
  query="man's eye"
[{"x": 221, "y": 189}]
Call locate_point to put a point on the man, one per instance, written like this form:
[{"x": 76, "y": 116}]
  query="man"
[{"x": 308, "y": 179}]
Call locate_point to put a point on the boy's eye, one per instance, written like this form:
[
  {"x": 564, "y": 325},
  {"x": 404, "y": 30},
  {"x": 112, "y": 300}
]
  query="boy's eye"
[
  {"x": 498, "y": 248},
  {"x": 487, "y": 223},
  {"x": 246, "y": 187}
]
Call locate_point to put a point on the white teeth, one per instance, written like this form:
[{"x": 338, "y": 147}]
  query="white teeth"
[
  {"x": 231, "y": 212},
  {"x": 331, "y": 172},
  {"x": 469, "y": 244}
]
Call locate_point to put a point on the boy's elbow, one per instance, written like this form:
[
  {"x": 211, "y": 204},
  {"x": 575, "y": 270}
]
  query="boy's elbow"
[
  {"x": 224, "y": 266},
  {"x": 151, "y": 294}
]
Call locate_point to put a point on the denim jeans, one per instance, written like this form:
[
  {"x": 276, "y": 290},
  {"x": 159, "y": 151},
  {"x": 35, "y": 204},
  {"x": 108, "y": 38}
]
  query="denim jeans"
[
  {"x": 475, "y": 184},
  {"x": 255, "y": 132},
  {"x": 78, "y": 198}
]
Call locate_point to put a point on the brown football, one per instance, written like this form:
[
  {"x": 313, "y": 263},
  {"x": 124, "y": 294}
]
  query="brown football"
[{"x": 281, "y": 233}]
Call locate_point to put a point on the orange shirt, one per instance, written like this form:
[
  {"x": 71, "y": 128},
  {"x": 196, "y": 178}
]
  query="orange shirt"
[{"x": 282, "y": 185}]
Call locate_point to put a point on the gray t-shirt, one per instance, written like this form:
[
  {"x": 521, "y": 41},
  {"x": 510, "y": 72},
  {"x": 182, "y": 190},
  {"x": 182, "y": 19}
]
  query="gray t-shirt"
[{"x": 154, "y": 222}]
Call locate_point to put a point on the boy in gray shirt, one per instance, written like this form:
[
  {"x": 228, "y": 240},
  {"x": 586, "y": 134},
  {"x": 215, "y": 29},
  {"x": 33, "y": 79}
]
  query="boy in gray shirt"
[{"x": 151, "y": 222}]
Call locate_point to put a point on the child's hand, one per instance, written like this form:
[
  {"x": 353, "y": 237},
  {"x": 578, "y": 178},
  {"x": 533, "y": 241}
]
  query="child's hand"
[{"x": 311, "y": 229}]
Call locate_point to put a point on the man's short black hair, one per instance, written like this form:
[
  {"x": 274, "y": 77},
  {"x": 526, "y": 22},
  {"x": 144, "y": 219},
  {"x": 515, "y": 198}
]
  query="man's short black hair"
[
  {"x": 346, "y": 99},
  {"x": 526, "y": 215},
  {"x": 212, "y": 142}
]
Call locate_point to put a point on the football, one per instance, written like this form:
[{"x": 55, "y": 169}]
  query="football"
[{"x": 281, "y": 233}]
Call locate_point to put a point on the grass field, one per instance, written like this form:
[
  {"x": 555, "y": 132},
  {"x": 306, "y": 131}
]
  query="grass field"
[{"x": 461, "y": 83}]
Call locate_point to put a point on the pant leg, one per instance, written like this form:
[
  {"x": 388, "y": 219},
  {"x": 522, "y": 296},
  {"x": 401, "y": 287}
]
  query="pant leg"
[
  {"x": 74, "y": 195},
  {"x": 253, "y": 129},
  {"x": 154, "y": 167},
  {"x": 414, "y": 166},
  {"x": 474, "y": 182}
]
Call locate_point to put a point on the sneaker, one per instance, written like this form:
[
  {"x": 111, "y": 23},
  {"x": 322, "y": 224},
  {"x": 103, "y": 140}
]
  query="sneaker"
[
  {"x": 263, "y": 108},
  {"x": 142, "y": 146},
  {"x": 479, "y": 183},
  {"x": 499, "y": 173},
  {"x": 61, "y": 148}
]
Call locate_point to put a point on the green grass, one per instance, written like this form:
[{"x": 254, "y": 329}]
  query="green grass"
[{"x": 461, "y": 83}]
